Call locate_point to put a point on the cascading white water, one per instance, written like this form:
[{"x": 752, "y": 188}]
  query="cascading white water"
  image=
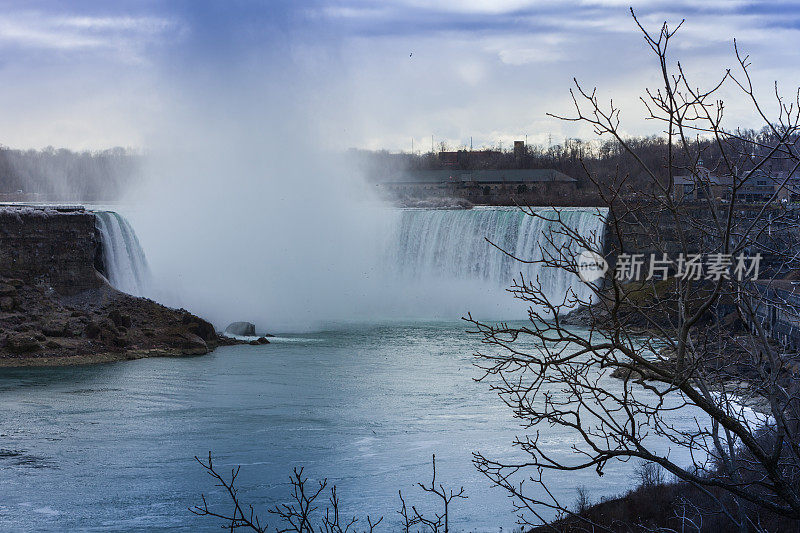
[
  {"x": 451, "y": 244},
  {"x": 125, "y": 262},
  {"x": 414, "y": 264}
]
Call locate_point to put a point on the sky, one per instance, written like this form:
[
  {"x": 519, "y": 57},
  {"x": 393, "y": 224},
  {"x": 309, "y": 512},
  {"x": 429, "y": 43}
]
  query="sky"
[{"x": 92, "y": 74}]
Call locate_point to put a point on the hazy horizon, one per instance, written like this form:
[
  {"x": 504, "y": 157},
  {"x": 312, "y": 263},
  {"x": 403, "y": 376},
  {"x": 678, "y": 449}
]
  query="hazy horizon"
[{"x": 92, "y": 75}]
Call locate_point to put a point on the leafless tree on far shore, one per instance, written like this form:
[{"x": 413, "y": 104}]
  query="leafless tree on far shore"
[{"x": 695, "y": 348}]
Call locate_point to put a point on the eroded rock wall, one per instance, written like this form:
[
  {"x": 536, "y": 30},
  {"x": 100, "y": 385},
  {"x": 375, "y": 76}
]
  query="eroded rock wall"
[
  {"x": 57, "y": 309},
  {"x": 49, "y": 247}
]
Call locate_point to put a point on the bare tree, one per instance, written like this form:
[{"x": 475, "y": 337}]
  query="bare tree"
[
  {"x": 440, "y": 522},
  {"x": 649, "y": 474},
  {"x": 694, "y": 340},
  {"x": 303, "y": 513},
  {"x": 298, "y": 516},
  {"x": 582, "y": 502},
  {"x": 688, "y": 516}
]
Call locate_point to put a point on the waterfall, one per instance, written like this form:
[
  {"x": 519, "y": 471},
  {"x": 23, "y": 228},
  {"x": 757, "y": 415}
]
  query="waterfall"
[
  {"x": 417, "y": 264},
  {"x": 124, "y": 261},
  {"x": 450, "y": 244}
]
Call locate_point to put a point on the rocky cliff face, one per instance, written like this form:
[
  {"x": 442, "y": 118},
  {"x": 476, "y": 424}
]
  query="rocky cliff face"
[
  {"x": 59, "y": 249},
  {"x": 57, "y": 308}
]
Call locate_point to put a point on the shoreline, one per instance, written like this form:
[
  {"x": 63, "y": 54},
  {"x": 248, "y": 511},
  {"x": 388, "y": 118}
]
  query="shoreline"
[
  {"x": 41, "y": 328},
  {"x": 92, "y": 359}
]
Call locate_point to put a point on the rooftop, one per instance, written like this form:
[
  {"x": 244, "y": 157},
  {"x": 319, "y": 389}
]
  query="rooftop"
[{"x": 481, "y": 176}]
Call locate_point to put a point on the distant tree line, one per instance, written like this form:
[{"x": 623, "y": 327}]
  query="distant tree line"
[
  {"x": 61, "y": 174},
  {"x": 604, "y": 159}
]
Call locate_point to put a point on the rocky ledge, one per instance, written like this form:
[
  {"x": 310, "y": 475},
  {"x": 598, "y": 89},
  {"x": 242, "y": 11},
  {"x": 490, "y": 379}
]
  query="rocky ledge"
[
  {"x": 39, "y": 327},
  {"x": 57, "y": 308}
]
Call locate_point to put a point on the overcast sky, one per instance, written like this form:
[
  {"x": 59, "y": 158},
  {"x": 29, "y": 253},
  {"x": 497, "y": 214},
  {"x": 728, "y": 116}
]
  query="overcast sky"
[{"x": 93, "y": 74}]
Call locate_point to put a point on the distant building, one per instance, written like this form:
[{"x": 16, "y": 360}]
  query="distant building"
[
  {"x": 757, "y": 186},
  {"x": 478, "y": 182},
  {"x": 697, "y": 186},
  {"x": 777, "y": 311},
  {"x": 466, "y": 158},
  {"x": 788, "y": 187},
  {"x": 519, "y": 149},
  {"x": 450, "y": 159}
]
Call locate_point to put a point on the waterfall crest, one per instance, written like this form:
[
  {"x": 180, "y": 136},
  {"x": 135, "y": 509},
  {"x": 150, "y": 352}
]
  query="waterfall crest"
[
  {"x": 417, "y": 264},
  {"x": 450, "y": 244},
  {"x": 123, "y": 257}
]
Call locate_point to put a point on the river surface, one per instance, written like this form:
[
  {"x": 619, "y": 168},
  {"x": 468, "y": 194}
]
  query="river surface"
[{"x": 110, "y": 447}]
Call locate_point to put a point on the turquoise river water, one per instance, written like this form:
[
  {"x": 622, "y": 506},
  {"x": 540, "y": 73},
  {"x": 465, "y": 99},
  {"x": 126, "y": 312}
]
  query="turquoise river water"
[{"x": 110, "y": 447}]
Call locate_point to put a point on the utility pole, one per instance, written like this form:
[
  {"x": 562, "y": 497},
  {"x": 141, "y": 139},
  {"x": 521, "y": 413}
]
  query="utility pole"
[
  {"x": 412, "y": 145},
  {"x": 432, "y": 150},
  {"x": 470, "y": 143}
]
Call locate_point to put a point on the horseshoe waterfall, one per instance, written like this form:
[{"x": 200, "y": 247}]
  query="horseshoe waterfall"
[
  {"x": 453, "y": 244},
  {"x": 446, "y": 261}
]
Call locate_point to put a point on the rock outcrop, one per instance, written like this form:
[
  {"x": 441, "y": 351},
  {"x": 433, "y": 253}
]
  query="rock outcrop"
[
  {"x": 56, "y": 308},
  {"x": 102, "y": 324},
  {"x": 56, "y": 249},
  {"x": 244, "y": 329}
]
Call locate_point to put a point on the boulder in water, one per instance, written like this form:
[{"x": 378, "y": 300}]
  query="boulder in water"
[{"x": 245, "y": 329}]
